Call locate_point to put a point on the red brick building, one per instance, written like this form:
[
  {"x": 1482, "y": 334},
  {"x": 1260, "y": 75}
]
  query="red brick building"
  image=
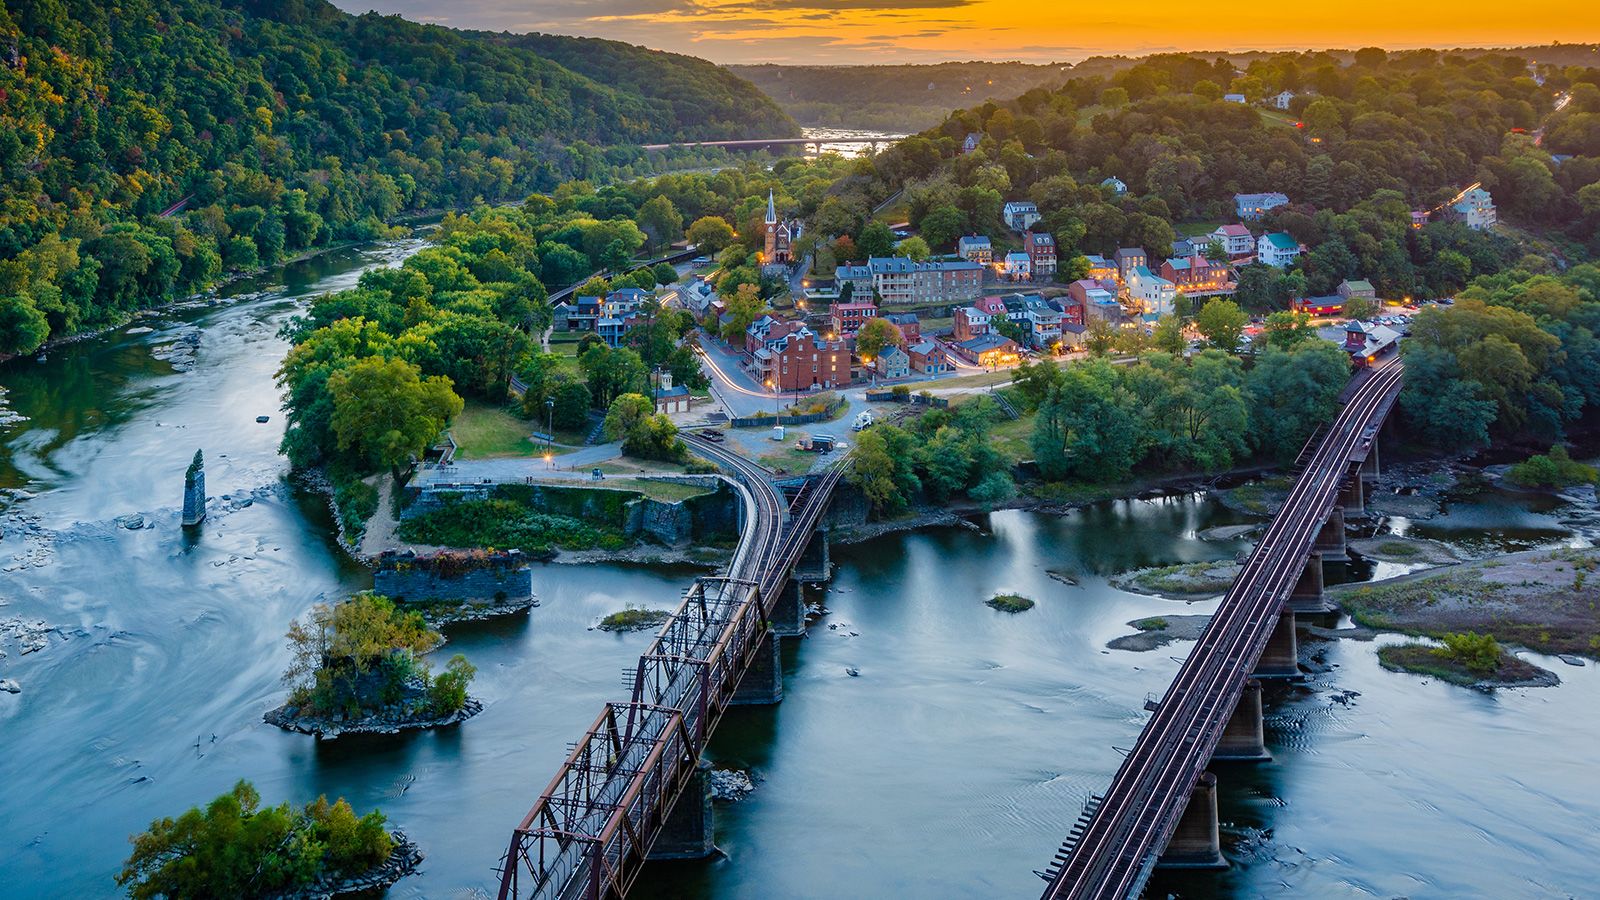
[
  {"x": 848, "y": 318},
  {"x": 1041, "y": 250},
  {"x": 800, "y": 361},
  {"x": 910, "y": 327},
  {"x": 971, "y": 322}
]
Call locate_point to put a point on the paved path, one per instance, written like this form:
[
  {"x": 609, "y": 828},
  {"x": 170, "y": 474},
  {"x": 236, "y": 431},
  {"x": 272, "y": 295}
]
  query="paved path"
[{"x": 576, "y": 464}]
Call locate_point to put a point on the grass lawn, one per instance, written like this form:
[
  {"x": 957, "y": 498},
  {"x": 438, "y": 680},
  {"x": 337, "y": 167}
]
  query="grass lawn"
[
  {"x": 790, "y": 460},
  {"x": 1012, "y": 438},
  {"x": 1279, "y": 116},
  {"x": 981, "y": 379},
  {"x": 483, "y": 431},
  {"x": 1194, "y": 229},
  {"x": 665, "y": 491}
]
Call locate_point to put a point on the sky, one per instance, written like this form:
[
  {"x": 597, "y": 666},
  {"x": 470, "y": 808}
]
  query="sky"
[{"x": 839, "y": 32}]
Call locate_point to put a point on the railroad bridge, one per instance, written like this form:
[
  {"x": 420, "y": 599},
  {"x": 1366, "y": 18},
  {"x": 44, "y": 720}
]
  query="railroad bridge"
[
  {"x": 1161, "y": 806},
  {"x": 634, "y": 786}
]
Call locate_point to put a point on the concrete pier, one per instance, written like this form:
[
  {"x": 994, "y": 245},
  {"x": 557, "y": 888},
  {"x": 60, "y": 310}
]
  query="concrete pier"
[
  {"x": 789, "y": 612},
  {"x": 689, "y": 832},
  {"x": 1330, "y": 540},
  {"x": 762, "y": 684},
  {"x": 1281, "y": 658},
  {"x": 1244, "y": 738},
  {"x": 814, "y": 565},
  {"x": 1307, "y": 594},
  {"x": 1197, "y": 841},
  {"x": 1353, "y": 499},
  {"x": 1370, "y": 470}
]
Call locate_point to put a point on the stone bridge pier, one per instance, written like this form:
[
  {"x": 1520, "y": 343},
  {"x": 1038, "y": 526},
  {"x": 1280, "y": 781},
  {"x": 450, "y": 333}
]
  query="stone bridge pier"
[
  {"x": 1244, "y": 738},
  {"x": 1306, "y": 597},
  {"x": 1330, "y": 540},
  {"x": 1197, "y": 841},
  {"x": 1281, "y": 658},
  {"x": 689, "y": 831}
]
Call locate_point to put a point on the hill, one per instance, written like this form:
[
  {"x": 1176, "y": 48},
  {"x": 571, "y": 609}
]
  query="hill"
[{"x": 147, "y": 147}]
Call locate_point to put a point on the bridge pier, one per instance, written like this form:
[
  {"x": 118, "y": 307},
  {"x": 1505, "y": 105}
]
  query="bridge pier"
[
  {"x": 814, "y": 566},
  {"x": 1306, "y": 596},
  {"x": 1370, "y": 469},
  {"x": 1197, "y": 841},
  {"x": 1330, "y": 540},
  {"x": 762, "y": 684},
  {"x": 1244, "y": 738},
  {"x": 789, "y": 613},
  {"x": 1281, "y": 658},
  {"x": 1353, "y": 499},
  {"x": 689, "y": 832}
]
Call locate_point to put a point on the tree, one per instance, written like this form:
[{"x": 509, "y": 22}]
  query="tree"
[
  {"x": 1360, "y": 308},
  {"x": 944, "y": 223},
  {"x": 1086, "y": 428},
  {"x": 876, "y": 240},
  {"x": 1168, "y": 335},
  {"x": 744, "y": 307},
  {"x": 711, "y": 235},
  {"x": 1294, "y": 391},
  {"x": 875, "y": 336},
  {"x": 1222, "y": 322},
  {"x": 612, "y": 373},
  {"x": 660, "y": 219},
  {"x": 915, "y": 248},
  {"x": 1285, "y": 329},
  {"x": 22, "y": 326},
  {"x": 385, "y": 413},
  {"x": 644, "y": 432},
  {"x": 236, "y": 849}
]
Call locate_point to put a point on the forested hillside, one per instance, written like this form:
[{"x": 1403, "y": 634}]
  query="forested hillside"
[{"x": 147, "y": 147}]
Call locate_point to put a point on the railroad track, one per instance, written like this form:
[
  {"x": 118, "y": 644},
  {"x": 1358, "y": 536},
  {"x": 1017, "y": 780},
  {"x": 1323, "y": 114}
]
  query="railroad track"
[{"x": 1116, "y": 843}]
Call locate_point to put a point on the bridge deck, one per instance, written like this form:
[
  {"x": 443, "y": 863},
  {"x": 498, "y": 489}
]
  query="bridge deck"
[
  {"x": 1114, "y": 845},
  {"x": 592, "y": 828}
]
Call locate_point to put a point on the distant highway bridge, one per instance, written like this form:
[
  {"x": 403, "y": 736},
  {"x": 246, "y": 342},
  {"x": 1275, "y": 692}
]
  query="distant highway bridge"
[
  {"x": 1161, "y": 807},
  {"x": 634, "y": 787},
  {"x": 813, "y": 143}
]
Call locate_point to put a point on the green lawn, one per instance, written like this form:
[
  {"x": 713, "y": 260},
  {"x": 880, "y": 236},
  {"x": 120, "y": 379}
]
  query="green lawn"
[
  {"x": 483, "y": 431},
  {"x": 665, "y": 491},
  {"x": 1013, "y": 438},
  {"x": 1194, "y": 229},
  {"x": 790, "y": 460}
]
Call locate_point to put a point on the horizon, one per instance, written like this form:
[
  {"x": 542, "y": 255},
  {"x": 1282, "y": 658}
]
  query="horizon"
[{"x": 928, "y": 32}]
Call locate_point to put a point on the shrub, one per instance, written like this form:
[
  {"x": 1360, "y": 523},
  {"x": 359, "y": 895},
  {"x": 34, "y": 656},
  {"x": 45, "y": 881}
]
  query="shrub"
[
  {"x": 1480, "y": 653},
  {"x": 448, "y": 692},
  {"x": 356, "y": 655},
  {"x": 1011, "y": 603},
  {"x": 235, "y": 849},
  {"x": 1556, "y": 469}
]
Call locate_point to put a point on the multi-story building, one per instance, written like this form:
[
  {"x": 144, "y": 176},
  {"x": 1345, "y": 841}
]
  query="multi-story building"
[
  {"x": 975, "y": 248},
  {"x": 1252, "y": 206},
  {"x": 1128, "y": 259},
  {"x": 1019, "y": 215},
  {"x": 1236, "y": 240},
  {"x": 1277, "y": 249},
  {"x": 1017, "y": 266},
  {"x": 970, "y": 322},
  {"x": 800, "y": 361},
  {"x": 892, "y": 363},
  {"x": 1353, "y": 290},
  {"x": 847, "y": 318},
  {"x": 1195, "y": 274},
  {"x": 928, "y": 357},
  {"x": 989, "y": 350},
  {"x": 901, "y": 281},
  {"x": 1041, "y": 250},
  {"x": 768, "y": 331},
  {"x": 908, "y": 323},
  {"x": 1100, "y": 268},
  {"x": 1153, "y": 295},
  {"x": 1043, "y": 320},
  {"x": 1474, "y": 207}
]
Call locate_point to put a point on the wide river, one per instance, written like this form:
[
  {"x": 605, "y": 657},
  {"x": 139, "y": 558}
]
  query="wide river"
[{"x": 950, "y": 766}]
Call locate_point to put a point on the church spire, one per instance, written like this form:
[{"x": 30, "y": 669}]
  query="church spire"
[{"x": 772, "y": 211}]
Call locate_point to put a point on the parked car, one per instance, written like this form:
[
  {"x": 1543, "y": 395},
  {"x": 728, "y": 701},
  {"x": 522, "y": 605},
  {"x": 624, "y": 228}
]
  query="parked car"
[{"x": 864, "y": 420}]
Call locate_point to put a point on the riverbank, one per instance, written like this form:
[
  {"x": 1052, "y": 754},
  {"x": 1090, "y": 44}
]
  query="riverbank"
[
  {"x": 1424, "y": 659},
  {"x": 389, "y": 720},
  {"x": 1540, "y": 599}
]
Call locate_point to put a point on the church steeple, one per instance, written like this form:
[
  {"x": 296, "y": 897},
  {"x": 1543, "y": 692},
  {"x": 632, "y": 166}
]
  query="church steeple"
[{"x": 772, "y": 210}]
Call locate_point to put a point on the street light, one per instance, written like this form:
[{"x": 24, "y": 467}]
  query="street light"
[{"x": 549, "y": 422}]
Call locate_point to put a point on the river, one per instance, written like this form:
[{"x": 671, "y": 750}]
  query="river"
[{"x": 950, "y": 765}]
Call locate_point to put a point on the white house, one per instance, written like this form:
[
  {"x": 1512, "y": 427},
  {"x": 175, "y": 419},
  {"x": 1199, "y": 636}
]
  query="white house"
[
  {"x": 1277, "y": 249},
  {"x": 1236, "y": 240},
  {"x": 1475, "y": 207},
  {"x": 1281, "y": 100},
  {"x": 1117, "y": 185},
  {"x": 1020, "y": 215},
  {"x": 1251, "y": 206},
  {"x": 1234, "y": 98},
  {"x": 975, "y": 248},
  {"x": 1156, "y": 296},
  {"x": 1017, "y": 265}
]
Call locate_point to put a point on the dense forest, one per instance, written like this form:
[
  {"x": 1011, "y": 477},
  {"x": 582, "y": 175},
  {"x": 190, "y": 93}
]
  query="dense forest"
[{"x": 146, "y": 148}]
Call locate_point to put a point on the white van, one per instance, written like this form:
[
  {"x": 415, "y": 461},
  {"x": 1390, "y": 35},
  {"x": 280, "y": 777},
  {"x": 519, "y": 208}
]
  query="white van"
[{"x": 864, "y": 420}]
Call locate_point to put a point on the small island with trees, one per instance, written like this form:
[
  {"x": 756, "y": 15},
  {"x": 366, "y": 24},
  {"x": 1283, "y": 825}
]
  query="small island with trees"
[
  {"x": 234, "y": 848},
  {"x": 359, "y": 668}
]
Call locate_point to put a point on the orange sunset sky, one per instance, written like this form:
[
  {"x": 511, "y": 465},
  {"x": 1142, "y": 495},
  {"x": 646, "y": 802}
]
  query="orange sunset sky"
[{"x": 891, "y": 31}]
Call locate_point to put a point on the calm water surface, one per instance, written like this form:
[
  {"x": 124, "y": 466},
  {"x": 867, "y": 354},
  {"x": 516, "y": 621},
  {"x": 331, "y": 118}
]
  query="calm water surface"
[{"x": 951, "y": 766}]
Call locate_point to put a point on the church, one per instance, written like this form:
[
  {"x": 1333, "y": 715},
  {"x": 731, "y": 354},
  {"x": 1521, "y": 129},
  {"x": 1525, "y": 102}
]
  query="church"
[{"x": 780, "y": 236}]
